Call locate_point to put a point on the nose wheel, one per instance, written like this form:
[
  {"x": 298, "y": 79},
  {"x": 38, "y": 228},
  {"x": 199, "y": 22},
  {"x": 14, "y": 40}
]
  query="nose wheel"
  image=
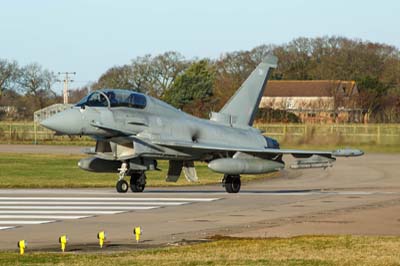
[
  {"x": 122, "y": 186},
  {"x": 231, "y": 183}
]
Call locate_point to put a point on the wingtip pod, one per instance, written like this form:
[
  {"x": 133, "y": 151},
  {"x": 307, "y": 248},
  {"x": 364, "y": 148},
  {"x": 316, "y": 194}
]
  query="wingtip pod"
[
  {"x": 347, "y": 153},
  {"x": 271, "y": 60}
]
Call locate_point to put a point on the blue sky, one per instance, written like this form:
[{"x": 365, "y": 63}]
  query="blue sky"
[{"x": 90, "y": 36}]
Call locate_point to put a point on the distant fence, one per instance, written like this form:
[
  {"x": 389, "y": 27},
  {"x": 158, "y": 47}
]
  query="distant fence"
[
  {"x": 18, "y": 132},
  {"x": 380, "y": 134}
]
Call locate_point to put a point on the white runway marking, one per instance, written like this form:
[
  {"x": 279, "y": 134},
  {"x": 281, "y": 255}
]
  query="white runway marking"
[
  {"x": 17, "y": 222},
  {"x": 111, "y": 199},
  {"x": 91, "y": 203},
  {"x": 62, "y": 212},
  {"x": 56, "y": 217},
  {"x": 19, "y": 211},
  {"x": 6, "y": 227},
  {"x": 130, "y": 208}
]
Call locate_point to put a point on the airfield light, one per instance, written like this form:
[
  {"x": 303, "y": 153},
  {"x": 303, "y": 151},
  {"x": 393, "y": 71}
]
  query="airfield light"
[
  {"x": 22, "y": 245},
  {"x": 101, "y": 236},
  {"x": 137, "y": 231},
  {"x": 63, "y": 242}
]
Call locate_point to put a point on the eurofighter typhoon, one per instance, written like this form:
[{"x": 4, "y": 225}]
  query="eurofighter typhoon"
[{"x": 133, "y": 131}]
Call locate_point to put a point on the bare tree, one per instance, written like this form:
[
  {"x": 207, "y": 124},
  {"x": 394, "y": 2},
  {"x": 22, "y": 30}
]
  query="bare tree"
[
  {"x": 77, "y": 94},
  {"x": 119, "y": 77},
  {"x": 165, "y": 69},
  {"x": 36, "y": 83},
  {"x": 9, "y": 73},
  {"x": 147, "y": 74},
  {"x": 34, "y": 78}
]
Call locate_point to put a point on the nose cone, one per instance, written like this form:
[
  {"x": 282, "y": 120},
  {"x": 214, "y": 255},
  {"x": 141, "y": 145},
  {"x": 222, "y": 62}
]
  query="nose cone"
[{"x": 68, "y": 122}]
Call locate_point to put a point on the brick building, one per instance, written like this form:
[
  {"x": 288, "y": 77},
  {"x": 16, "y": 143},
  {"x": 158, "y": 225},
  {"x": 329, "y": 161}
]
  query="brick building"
[{"x": 314, "y": 100}]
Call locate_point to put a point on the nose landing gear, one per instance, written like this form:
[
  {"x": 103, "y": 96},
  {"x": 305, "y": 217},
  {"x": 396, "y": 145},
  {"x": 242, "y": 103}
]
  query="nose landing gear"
[
  {"x": 122, "y": 186},
  {"x": 137, "y": 181}
]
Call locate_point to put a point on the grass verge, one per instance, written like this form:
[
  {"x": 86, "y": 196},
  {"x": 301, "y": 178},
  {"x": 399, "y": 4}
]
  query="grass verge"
[
  {"x": 62, "y": 171},
  {"x": 306, "y": 250}
]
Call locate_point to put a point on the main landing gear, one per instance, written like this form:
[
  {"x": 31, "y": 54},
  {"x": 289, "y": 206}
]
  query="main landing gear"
[
  {"x": 231, "y": 183},
  {"x": 137, "y": 181}
]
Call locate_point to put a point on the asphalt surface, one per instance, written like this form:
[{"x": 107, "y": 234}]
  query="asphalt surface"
[
  {"x": 359, "y": 196},
  {"x": 41, "y": 149}
]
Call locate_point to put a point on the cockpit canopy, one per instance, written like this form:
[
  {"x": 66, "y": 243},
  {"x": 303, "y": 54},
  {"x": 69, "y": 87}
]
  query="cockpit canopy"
[{"x": 114, "y": 98}]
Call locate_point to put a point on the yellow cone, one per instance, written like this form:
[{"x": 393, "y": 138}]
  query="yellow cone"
[
  {"x": 22, "y": 245},
  {"x": 137, "y": 231},
  {"x": 101, "y": 236},
  {"x": 63, "y": 242}
]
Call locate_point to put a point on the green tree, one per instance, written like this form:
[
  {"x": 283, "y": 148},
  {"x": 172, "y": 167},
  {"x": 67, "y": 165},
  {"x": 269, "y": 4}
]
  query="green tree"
[{"x": 193, "y": 89}]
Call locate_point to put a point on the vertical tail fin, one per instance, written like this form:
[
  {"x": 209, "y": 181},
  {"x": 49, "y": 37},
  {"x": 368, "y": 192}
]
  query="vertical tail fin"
[{"x": 243, "y": 105}]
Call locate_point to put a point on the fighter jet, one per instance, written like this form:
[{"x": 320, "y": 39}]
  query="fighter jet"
[{"x": 133, "y": 131}]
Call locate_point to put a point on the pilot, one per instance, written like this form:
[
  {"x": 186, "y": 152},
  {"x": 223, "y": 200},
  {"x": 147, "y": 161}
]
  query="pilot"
[
  {"x": 111, "y": 97},
  {"x": 131, "y": 100},
  {"x": 103, "y": 100}
]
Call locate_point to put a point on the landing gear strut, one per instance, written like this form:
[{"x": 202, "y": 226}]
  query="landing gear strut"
[
  {"x": 231, "y": 183},
  {"x": 138, "y": 181},
  {"x": 122, "y": 186}
]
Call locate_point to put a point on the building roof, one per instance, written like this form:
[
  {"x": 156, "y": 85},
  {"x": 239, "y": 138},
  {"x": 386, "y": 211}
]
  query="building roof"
[{"x": 309, "y": 88}]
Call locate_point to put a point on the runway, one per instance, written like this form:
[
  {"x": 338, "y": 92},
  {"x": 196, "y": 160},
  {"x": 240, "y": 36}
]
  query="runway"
[
  {"x": 17, "y": 211},
  {"x": 360, "y": 196}
]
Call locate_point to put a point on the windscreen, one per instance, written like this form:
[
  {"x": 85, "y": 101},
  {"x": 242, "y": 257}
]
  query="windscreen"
[
  {"x": 95, "y": 99},
  {"x": 117, "y": 98},
  {"x": 122, "y": 98}
]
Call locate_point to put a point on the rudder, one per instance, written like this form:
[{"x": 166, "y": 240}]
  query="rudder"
[{"x": 243, "y": 105}]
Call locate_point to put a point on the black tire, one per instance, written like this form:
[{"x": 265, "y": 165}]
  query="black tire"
[
  {"x": 232, "y": 183},
  {"x": 138, "y": 182},
  {"x": 122, "y": 186}
]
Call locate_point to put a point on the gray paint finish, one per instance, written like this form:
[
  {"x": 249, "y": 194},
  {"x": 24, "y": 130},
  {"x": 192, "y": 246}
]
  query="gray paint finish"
[{"x": 135, "y": 130}]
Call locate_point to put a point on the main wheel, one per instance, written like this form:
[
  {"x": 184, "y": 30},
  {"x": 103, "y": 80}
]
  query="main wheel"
[
  {"x": 138, "y": 182},
  {"x": 122, "y": 186},
  {"x": 232, "y": 183}
]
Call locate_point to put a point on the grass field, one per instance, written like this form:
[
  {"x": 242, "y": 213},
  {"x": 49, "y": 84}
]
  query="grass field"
[
  {"x": 61, "y": 171},
  {"x": 312, "y": 250}
]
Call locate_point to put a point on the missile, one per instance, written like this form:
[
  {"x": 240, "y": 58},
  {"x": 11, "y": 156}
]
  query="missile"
[
  {"x": 244, "y": 166},
  {"x": 315, "y": 161}
]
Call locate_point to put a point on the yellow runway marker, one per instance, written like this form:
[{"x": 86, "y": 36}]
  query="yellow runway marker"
[
  {"x": 137, "y": 231},
  {"x": 22, "y": 245},
  {"x": 63, "y": 242},
  {"x": 101, "y": 236}
]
